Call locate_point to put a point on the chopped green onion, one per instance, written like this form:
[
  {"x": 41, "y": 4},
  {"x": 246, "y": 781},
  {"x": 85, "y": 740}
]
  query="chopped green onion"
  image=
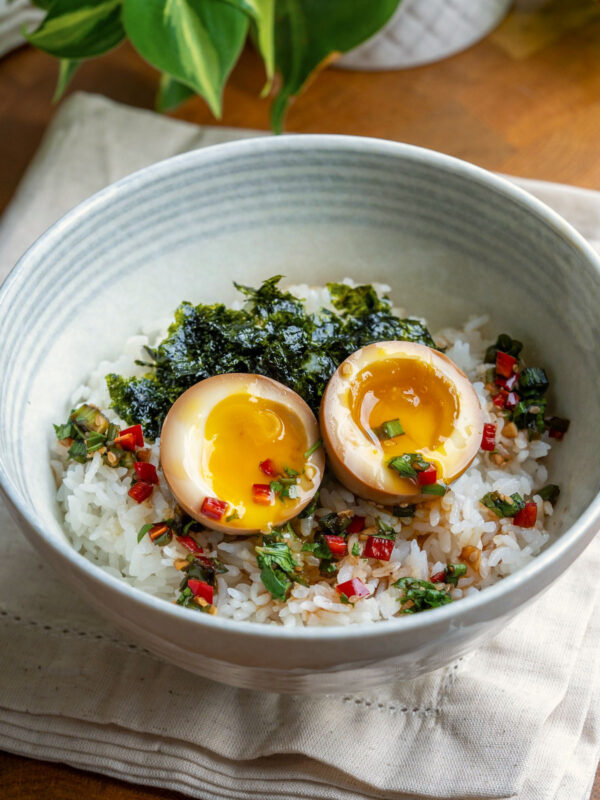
[
  {"x": 94, "y": 441},
  {"x": 435, "y": 488},
  {"x": 404, "y": 511},
  {"x": 144, "y": 530},
  {"x": 355, "y": 549},
  {"x": 310, "y": 509},
  {"x": 533, "y": 380},
  {"x": 234, "y": 515},
  {"x": 421, "y": 595},
  {"x": 454, "y": 572},
  {"x": 391, "y": 429},
  {"x": 503, "y": 506},
  {"x": 385, "y": 531},
  {"x": 549, "y": 493},
  {"x": 313, "y": 449},
  {"x": 403, "y": 466},
  {"x": 292, "y": 473},
  {"x": 409, "y": 465}
]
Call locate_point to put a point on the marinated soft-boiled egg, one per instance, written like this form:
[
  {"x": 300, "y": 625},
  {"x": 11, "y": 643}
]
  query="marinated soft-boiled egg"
[
  {"x": 241, "y": 453},
  {"x": 400, "y": 421}
]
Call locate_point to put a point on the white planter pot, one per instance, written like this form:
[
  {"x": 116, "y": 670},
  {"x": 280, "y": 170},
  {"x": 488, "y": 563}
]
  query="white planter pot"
[{"x": 422, "y": 31}]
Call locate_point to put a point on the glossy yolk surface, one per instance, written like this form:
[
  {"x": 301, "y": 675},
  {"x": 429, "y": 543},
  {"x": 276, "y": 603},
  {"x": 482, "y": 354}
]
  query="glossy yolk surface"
[
  {"x": 413, "y": 392},
  {"x": 241, "y": 431}
]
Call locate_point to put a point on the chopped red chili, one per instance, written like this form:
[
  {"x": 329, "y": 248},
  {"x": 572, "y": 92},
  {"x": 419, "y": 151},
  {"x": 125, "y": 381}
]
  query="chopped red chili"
[
  {"x": 136, "y": 431},
  {"x": 505, "y": 364},
  {"x": 357, "y": 524},
  {"x": 201, "y": 589},
  {"x": 156, "y": 531},
  {"x": 526, "y": 517},
  {"x": 377, "y": 547},
  {"x": 268, "y": 467},
  {"x": 499, "y": 399},
  {"x": 439, "y": 577},
  {"x": 146, "y": 472},
  {"x": 512, "y": 400},
  {"x": 337, "y": 544},
  {"x": 140, "y": 491},
  {"x": 126, "y": 441},
  {"x": 190, "y": 544},
  {"x": 262, "y": 494},
  {"x": 508, "y": 383},
  {"x": 427, "y": 476},
  {"x": 557, "y": 427},
  {"x": 488, "y": 441},
  {"x": 213, "y": 507},
  {"x": 352, "y": 588}
]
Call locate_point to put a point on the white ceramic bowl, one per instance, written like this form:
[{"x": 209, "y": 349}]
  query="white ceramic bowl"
[{"x": 451, "y": 239}]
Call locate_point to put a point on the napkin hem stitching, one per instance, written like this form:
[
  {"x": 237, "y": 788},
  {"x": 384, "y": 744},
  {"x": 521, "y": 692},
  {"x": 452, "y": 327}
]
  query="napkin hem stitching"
[
  {"x": 431, "y": 710},
  {"x": 7, "y": 617}
]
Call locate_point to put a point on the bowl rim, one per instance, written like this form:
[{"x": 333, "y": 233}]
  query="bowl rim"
[{"x": 450, "y": 615}]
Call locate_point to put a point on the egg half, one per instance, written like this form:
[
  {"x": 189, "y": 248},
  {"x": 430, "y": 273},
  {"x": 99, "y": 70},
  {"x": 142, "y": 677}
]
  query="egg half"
[
  {"x": 392, "y": 399},
  {"x": 235, "y": 450}
]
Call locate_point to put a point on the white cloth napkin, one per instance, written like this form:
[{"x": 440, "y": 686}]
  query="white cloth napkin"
[
  {"x": 519, "y": 718},
  {"x": 13, "y": 15}
]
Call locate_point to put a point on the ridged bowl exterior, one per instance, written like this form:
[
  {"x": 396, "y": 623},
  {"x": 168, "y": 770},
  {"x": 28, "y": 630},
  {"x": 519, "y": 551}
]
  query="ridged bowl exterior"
[{"x": 452, "y": 240}]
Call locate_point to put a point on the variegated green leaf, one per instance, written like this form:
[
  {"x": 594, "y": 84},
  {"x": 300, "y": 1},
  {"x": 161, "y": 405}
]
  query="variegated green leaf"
[
  {"x": 66, "y": 69},
  {"x": 171, "y": 93},
  {"x": 197, "y": 42},
  {"x": 262, "y": 13},
  {"x": 76, "y": 29},
  {"x": 310, "y": 32}
]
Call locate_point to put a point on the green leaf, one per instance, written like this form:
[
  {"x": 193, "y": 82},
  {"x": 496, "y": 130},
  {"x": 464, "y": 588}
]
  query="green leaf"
[
  {"x": 76, "y": 29},
  {"x": 262, "y": 14},
  {"x": 78, "y": 451},
  {"x": 275, "y": 582},
  {"x": 45, "y": 4},
  {"x": 308, "y": 33},
  {"x": 196, "y": 42},
  {"x": 171, "y": 93},
  {"x": 66, "y": 431},
  {"x": 67, "y": 67},
  {"x": 278, "y": 554},
  {"x": 144, "y": 530}
]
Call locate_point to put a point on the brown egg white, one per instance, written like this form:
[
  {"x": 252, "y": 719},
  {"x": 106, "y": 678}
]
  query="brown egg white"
[
  {"x": 238, "y": 452},
  {"x": 400, "y": 403}
]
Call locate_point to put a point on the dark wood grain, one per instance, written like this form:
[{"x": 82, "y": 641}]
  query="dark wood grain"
[{"x": 525, "y": 101}]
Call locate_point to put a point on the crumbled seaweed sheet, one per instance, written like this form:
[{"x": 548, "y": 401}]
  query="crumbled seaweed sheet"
[{"x": 272, "y": 336}]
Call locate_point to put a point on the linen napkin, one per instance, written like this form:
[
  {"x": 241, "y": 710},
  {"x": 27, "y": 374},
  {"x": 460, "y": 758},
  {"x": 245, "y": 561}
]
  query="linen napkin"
[
  {"x": 13, "y": 15},
  {"x": 518, "y": 718}
]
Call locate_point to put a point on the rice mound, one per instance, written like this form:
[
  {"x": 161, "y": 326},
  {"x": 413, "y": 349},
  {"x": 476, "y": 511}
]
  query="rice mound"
[{"x": 102, "y": 521}]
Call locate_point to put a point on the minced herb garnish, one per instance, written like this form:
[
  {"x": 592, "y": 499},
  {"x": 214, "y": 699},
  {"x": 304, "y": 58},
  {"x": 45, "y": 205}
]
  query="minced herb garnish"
[
  {"x": 277, "y": 568},
  {"x": 418, "y": 595},
  {"x": 521, "y": 391},
  {"x": 272, "y": 335}
]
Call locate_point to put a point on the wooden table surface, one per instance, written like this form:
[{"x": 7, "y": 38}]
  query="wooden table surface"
[{"x": 525, "y": 101}]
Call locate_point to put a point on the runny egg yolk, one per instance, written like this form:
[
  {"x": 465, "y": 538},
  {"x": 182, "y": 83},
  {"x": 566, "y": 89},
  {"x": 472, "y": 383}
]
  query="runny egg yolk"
[
  {"x": 414, "y": 393},
  {"x": 241, "y": 431}
]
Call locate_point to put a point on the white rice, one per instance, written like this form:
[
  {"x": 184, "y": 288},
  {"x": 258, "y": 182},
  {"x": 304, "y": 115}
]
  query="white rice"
[{"x": 103, "y": 521}]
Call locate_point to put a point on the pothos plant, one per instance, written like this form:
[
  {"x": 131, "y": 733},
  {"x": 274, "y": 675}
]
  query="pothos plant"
[{"x": 196, "y": 43}]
